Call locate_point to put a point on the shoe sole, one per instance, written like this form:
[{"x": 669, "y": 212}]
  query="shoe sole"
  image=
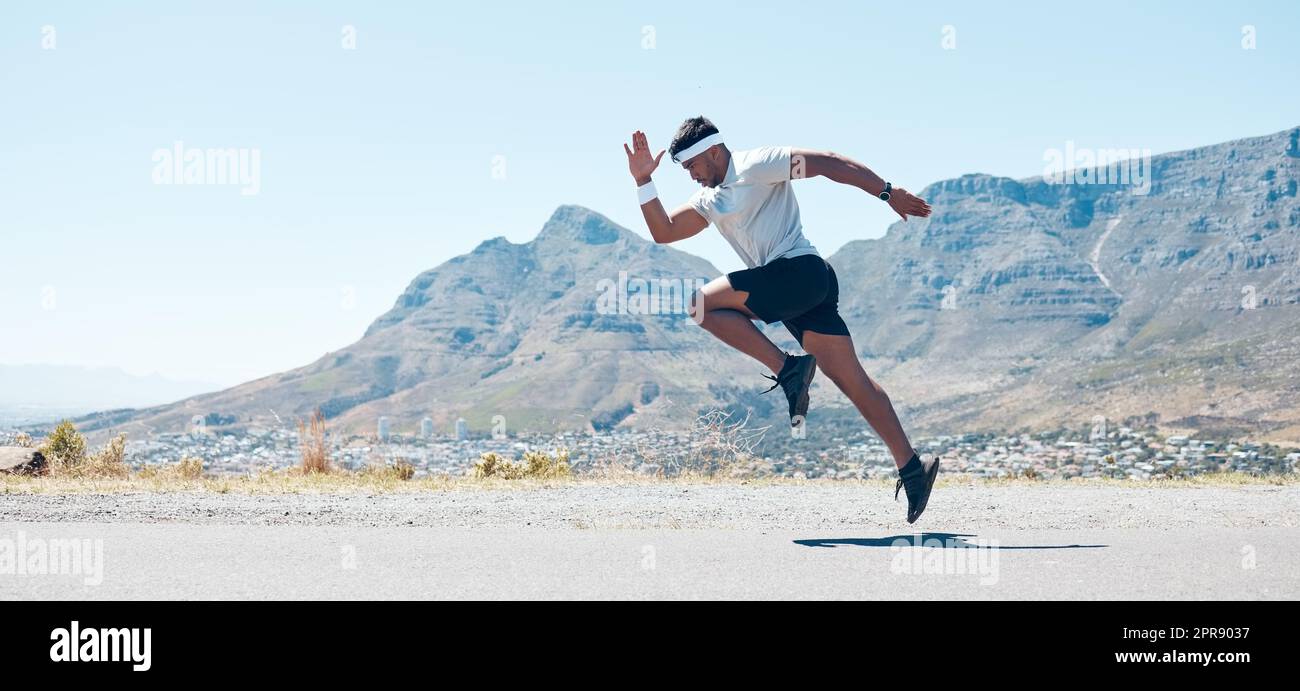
[
  {"x": 801, "y": 405},
  {"x": 929, "y": 485}
]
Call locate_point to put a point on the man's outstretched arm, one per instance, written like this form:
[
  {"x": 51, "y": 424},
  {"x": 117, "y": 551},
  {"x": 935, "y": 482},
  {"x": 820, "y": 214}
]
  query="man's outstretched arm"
[
  {"x": 684, "y": 222},
  {"x": 842, "y": 169}
]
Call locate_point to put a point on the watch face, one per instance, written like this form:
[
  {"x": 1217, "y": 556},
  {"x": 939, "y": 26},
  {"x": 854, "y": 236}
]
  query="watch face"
[{"x": 884, "y": 196}]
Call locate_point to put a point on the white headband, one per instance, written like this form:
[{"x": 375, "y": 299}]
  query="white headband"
[{"x": 698, "y": 147}]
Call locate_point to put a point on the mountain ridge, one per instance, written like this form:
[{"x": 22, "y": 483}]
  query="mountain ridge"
[{"x": 1017, "y": 304}]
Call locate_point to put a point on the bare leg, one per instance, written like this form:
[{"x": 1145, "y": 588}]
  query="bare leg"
[
  {"x": 839, "y": 362},
  {"x": 722, "y": 312}
]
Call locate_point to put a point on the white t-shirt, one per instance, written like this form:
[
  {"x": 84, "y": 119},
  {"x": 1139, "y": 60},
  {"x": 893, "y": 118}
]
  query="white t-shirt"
[{"x": 754, "y": 208}]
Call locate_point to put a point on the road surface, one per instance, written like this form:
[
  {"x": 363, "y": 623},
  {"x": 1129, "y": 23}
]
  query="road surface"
[{"x": 664, "y": 540}]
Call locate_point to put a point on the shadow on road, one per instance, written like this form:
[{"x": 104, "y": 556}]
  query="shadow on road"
[{"x": 944, "y": 540}]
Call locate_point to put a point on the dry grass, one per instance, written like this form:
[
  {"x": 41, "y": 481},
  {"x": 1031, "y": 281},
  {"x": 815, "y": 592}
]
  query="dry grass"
[
  {"x": 183, "y": 470},
  {"x": 537, "y": 465},
  {"x": 717, "y": 447},
  {"x": 108, "y": 462},
  {"x": 400, "y": 471},
  {"x": 311, "y": 444},
  {"x": 65, "y": 455}
]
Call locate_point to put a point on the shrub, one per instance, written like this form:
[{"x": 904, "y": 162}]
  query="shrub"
[
  {"x": 535, "y": 464},
  {"x": 64, "y": 449},
  {"x": 400, "y": 470},
  {"x": 185, "y": 469},
  {"x": 108, "y": 462},
  {"x": 65, "y": 453},
  {"x": 189, "y": 468},
  {"x": 311, "y": 444}
]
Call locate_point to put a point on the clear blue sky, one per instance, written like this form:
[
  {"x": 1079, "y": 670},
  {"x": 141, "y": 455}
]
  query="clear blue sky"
[{"x": 377, "y": 162}]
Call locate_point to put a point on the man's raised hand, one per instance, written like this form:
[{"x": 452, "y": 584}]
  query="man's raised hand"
[
  {"x": 639, "y": 161},
  {"x": 906, "y": 204}
]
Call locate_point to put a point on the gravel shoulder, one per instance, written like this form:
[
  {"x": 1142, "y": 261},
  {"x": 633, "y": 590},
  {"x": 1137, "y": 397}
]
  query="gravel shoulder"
[{"x": 689, "y": 506}]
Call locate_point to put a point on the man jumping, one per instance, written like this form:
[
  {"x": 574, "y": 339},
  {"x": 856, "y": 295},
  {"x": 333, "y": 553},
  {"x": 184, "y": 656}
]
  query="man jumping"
[{"x": 748, "y": 196}]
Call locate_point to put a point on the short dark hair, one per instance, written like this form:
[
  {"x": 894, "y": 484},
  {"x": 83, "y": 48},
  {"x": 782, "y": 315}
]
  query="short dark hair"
[{"x": 691, "y": 131}]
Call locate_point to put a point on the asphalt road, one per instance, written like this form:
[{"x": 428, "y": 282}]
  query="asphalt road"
[{"x": 657, "y": 541}]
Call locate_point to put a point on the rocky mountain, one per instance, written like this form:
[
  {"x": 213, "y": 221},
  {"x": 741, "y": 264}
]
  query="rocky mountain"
[
  {"x": 530, "y": 336},
  {"x": 1018, "y": 304},
  {"x": 1029, "y": 304}
]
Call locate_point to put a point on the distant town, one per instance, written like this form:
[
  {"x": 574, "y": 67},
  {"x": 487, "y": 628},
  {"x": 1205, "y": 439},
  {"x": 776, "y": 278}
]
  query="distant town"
[{"x": 1119, "y": 453}]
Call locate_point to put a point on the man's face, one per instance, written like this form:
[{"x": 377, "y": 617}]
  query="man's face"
[{"x": 704, "y": 168}]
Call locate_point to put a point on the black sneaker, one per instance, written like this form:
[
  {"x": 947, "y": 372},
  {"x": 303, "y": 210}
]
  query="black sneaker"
[
  {"x": 918, "y": 478},
  {"x": 795, "y": 379}
]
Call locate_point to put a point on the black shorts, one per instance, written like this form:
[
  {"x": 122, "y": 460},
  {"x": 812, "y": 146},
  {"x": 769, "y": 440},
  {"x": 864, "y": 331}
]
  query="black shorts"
[{"x": 800, "y": 292}]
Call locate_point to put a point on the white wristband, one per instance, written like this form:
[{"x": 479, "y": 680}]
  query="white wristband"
[{"x": 647, "y": 193}]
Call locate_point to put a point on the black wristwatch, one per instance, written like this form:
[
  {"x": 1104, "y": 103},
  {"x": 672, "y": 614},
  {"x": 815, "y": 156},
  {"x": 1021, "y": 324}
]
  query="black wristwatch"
[{"x": 884, "y": 195}]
